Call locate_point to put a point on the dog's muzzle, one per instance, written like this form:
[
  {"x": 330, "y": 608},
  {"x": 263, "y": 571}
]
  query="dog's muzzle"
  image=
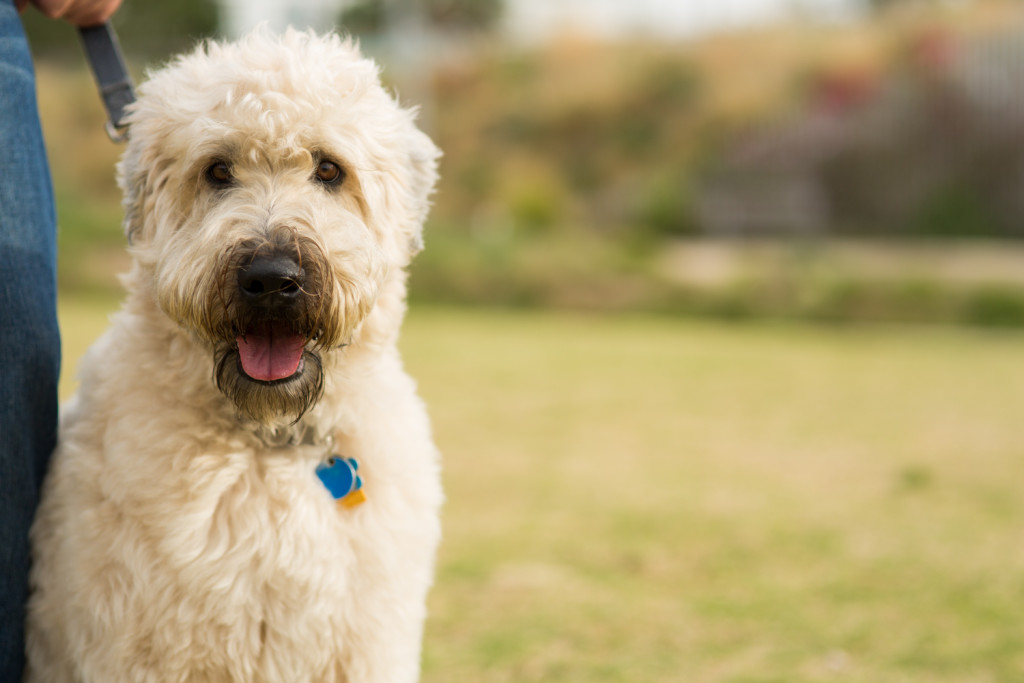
[
  {"x": 277, "y": 321},
  {"x": 271, "y": 286}
]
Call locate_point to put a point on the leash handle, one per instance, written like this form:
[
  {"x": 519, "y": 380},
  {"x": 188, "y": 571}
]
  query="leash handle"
[{"x": 108, "y": 67}]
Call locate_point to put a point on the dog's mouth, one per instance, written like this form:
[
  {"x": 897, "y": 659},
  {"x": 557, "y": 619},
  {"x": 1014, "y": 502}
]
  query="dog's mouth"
[
  {"x": 270, "y": 351},
  {"x": 270, "y": 372}
]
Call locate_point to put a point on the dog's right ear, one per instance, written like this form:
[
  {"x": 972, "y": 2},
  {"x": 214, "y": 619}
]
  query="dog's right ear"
[
  {"x": 132, "y": 182},
  {"x": 139, "y": 179}
]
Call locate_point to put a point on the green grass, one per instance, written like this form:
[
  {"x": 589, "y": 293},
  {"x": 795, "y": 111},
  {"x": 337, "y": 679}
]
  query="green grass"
[{"x": 650, "y": 499}]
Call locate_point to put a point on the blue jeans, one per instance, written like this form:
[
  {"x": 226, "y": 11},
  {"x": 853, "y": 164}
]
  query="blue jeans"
[{"x": 29, "y": 340}]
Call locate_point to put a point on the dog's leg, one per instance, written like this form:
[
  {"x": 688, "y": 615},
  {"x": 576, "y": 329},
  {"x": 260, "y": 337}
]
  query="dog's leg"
[
  {"x": 395, "y": 548},
  {"x": 390, "y": 634}
]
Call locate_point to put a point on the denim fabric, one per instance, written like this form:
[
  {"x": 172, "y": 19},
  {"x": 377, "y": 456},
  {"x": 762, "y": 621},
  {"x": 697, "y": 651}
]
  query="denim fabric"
[{"x": 29, "y": 341}]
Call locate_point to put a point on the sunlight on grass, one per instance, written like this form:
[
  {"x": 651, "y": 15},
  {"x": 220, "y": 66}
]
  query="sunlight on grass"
[{"x": 644, "y": 499}]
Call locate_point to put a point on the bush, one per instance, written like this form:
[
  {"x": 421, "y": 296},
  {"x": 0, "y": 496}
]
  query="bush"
[
  {"x": 995, "y": 307},
  {"x": 665, "y": 208},
  {"x": 536, "y": 207}
]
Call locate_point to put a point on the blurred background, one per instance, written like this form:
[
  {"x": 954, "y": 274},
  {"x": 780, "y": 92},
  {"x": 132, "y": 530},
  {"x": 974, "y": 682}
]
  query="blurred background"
[{"x": 718, "y": 321}]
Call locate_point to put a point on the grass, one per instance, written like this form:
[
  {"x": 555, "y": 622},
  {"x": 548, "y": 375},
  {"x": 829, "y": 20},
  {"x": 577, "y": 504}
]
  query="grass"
[{"x": 650, "y": 499}]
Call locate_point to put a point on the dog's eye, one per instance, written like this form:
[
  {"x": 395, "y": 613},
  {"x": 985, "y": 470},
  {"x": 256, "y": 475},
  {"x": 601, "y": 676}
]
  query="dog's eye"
[
  {"x": 219, "y": 174},
  {"x": 329, "y": 173}
]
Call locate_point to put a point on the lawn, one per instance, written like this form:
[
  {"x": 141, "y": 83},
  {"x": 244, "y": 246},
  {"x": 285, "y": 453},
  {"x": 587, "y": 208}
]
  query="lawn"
[{"x": 652, "y": 499}]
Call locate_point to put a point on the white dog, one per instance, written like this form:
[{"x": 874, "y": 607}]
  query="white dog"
[{"x": 274, "y": 194}]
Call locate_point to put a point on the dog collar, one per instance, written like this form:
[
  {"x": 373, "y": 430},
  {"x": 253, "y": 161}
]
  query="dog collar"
[{"x": 339, "y": 475}]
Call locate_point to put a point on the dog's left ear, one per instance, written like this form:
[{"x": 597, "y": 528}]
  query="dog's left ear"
[
  {"x": 422, "y": 177},
  {"x": 397, "y": 195}
]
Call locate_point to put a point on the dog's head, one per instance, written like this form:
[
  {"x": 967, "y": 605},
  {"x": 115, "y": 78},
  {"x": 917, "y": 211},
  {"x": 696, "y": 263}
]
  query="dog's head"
[{"x": 273, "y": 189}]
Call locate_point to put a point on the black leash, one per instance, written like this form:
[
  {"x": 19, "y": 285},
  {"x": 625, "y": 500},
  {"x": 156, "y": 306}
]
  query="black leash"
[{"x": 115, "y": 84}]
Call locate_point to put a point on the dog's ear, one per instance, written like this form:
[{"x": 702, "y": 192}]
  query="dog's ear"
[
  {"x": 422, "y": 177},
  {"x": 396, "y": 198},
  {"x": 139, "y": 178},
  {"x": 132, "y": 180}
]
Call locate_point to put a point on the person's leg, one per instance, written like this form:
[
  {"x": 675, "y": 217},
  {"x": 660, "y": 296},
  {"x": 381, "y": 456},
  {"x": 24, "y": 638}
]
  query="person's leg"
[{"x": 29, "y": 341}]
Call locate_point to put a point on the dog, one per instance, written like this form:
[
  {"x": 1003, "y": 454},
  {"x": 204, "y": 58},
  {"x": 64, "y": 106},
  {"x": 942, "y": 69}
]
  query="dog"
[{"x": 246, "y": 486}]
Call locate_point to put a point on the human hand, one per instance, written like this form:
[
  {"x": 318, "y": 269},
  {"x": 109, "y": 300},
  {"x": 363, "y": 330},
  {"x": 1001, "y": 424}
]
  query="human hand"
[{"x": 77, "y": 12}]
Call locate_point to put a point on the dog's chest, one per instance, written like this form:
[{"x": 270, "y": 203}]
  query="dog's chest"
[{"x": 266, "y": 569}]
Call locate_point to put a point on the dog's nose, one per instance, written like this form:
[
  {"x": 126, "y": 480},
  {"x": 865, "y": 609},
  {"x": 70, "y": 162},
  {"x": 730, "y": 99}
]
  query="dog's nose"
[{"x": 272, "y": 274}]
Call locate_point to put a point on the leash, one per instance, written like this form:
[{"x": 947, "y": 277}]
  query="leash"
[{"x": 108, "y": 67}]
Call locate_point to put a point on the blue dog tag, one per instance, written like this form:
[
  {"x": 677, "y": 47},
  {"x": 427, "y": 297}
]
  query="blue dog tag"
[{"x": 339, "y": 476}]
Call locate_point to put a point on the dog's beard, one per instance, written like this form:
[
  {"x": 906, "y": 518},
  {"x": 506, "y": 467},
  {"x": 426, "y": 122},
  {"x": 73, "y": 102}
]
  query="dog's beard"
[
  {"x": 255, "y": 345},
  {"x": 267, "y": 402},
  {"x": 268, "y": 360}
]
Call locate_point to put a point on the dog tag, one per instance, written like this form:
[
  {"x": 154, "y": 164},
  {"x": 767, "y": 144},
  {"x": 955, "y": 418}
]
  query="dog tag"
[{"x": 339, "y": 476}]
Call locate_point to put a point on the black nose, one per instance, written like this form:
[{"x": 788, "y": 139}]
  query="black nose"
[{"x": 270, "y": 276}]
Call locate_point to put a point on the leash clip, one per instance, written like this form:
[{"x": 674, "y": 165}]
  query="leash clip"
[
  {"x": 111, "y": 74},
  {"x": 115, "y": 133}
]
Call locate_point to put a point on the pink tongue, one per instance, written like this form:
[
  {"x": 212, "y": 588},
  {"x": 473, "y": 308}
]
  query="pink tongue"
[{"x": 270, "y": 352}]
